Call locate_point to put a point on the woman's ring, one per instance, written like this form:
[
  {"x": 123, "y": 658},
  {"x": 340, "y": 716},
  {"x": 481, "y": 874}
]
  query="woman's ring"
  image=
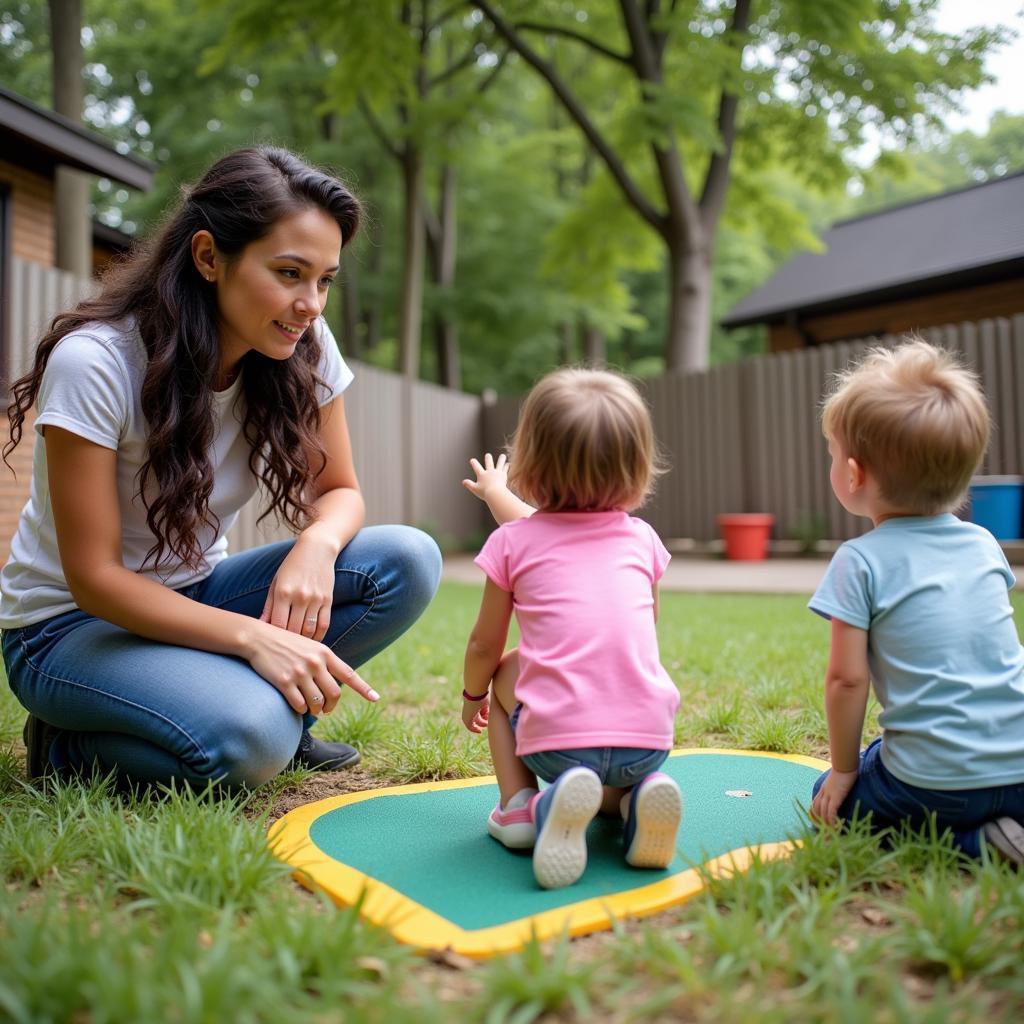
[
  {"x": 317, "y": 699},
  {"x": 311, "y": 618}
]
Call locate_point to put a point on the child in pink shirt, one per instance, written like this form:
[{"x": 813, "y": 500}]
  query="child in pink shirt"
[{"x": 584, "y": 702}]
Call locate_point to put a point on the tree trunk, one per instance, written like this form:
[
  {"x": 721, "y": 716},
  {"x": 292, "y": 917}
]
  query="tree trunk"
[
  {"x": 449, "y": 365},
  {"x": 688, "y": 337},
  {"x": 411, "y": 320},
  {"x": 412, "y": 265},
  {"x": 686, "y": 226},
  {"x": 73, "y": 228},
  {"x": 369, "y": 309},
  {"x": 371, "y": 312},
  {"x": 446, "y": 331},
  {"x": 594, "y": 350},
  {"x": 566, "y": 343},
  {"x": 351, "y": 339}
]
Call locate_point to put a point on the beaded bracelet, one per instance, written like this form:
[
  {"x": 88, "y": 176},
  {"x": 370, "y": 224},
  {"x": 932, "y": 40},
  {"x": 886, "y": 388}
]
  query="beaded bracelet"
[{"x": 466, "y": 695}]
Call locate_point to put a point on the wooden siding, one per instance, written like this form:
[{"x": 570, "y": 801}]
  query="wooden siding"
[
  {"x": 32, "y": 214},
  {"x": 957, "y": 305}
]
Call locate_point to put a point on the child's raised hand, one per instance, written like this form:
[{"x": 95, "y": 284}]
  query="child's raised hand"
[
  {"x": 475, "y": 714},
  {"x": 834, "y": 790},
  {"x": 492, "y": 474},
  {"x": 491, "y": 486}
]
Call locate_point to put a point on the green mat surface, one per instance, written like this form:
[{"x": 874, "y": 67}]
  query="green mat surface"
[{"x": 427, "y": 846}]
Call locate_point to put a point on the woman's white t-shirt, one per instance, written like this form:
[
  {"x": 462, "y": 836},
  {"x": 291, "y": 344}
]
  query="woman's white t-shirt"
[{"x": 92, "y": 387}]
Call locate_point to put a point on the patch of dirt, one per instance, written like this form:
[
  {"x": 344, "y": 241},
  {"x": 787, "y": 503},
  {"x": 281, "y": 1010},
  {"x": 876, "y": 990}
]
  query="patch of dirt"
[{"x": 321, "y": 786}]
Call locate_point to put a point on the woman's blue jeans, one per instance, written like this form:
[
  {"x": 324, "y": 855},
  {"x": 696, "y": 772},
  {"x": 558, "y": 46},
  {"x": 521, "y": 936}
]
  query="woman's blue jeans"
[
  {"x": 890, "y": 802},
  {"x": 154, "y": 712}
]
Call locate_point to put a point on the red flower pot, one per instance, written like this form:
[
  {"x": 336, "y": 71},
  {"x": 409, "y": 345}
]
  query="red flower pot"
[{"x": 746, "y": 535}]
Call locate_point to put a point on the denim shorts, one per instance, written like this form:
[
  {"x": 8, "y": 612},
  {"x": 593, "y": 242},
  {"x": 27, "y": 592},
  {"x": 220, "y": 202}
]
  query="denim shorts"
[{"x": 620, "y": 767}]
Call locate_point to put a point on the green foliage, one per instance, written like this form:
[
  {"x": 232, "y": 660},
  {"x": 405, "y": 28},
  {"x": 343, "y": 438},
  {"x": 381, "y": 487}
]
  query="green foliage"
[
  {"x": 546, "y": 240},
  {"x": 956, "y": 929},
  {"x": 432, "y": 748},
  {"x": 192, "y": 853},
  {"x": 362, "y": 724},
  {"x": 938, "y": 164},
  {"x": 64, "y": 962},
  {"x": 25, "y": 50},
  {"x": 536, "y": 981}
]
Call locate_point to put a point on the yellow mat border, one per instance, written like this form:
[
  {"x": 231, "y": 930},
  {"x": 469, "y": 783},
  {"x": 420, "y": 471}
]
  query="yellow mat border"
[{"x": 412, "y": 923}]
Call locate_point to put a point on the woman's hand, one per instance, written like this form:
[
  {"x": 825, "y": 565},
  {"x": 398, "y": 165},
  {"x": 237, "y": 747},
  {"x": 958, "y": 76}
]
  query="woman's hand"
[
  {"x": 308, "y": 674},
  {"x": 475, "y": 713},
  {"x": 302, "y": 592},
  {"x": 834, "y": 790}
]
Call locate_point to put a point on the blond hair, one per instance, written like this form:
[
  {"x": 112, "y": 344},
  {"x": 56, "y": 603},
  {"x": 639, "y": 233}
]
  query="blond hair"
[
  {"x": 916, "y": 419},
  {"x": 584, "y": 442}
]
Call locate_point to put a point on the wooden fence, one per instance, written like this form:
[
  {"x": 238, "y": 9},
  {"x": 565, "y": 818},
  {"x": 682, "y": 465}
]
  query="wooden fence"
[
  {"x": 38, "y": 293},
  {"x": 745, "y": 437},
  {"x": 738, "y": 438},
  {"x": 412, "y": 442}
]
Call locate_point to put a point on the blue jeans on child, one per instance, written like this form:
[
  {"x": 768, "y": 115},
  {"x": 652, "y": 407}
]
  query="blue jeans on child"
[
  {"x": 156, "y": 712},
  {"x": 620, "y": 767},
  {"x": 961, "y": 811}
]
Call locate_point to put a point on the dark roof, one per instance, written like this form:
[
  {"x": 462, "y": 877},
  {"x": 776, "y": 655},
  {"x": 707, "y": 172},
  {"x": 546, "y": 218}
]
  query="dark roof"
[
  {"x": 965, "y": 235},
  {"x": 111, "y": 238},
  {"x": 52, "y": 139}
]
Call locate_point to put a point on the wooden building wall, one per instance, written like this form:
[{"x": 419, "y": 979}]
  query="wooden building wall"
[
  {"x": 32, "y": 214},
  {"x": 978, "y": 302}
]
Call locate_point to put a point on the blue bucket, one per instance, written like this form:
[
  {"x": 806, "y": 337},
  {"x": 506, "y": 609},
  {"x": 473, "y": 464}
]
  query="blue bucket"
[{"x": 997, "y": 503}]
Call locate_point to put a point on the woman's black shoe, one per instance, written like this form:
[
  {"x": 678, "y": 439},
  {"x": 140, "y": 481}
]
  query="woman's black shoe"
[
  {"x": 322, "y": 756},
  {"x": 39, "y": 737}
]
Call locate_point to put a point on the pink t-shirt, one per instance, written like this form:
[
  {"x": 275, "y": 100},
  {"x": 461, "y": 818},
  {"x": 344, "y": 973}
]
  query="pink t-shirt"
[{"x": 589, "y": 671}]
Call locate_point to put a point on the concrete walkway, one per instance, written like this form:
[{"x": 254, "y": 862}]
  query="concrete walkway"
[{"x": 701, "y": 575}]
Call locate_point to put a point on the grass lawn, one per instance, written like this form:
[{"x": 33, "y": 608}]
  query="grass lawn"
[{"x": 170, "y": 908}]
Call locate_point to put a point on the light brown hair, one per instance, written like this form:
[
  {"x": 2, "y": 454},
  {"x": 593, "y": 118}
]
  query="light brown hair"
[
  {"x": 916, "y": 419},
  {"x": 584, "y": 443}
]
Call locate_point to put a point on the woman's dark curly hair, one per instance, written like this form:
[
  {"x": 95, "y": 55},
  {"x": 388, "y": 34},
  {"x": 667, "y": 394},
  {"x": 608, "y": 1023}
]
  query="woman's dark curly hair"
[{"x": 239, "y": 200}]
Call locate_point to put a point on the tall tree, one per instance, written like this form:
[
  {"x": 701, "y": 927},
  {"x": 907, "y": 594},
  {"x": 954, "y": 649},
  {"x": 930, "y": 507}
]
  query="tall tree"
[
  {"x": 398, "y": 62},
  {"x": 705, "y": 78},
  {"x": 73, "y": 227}
]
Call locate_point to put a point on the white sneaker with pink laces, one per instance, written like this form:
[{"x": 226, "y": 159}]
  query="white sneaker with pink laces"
[{"x": 512, "y": 825}]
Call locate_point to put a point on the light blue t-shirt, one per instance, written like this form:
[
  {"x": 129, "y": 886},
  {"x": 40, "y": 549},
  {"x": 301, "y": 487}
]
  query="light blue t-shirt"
[{"x": 945, "y": 658}]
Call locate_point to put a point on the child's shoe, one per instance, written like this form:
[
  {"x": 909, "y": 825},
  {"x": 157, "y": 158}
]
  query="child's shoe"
[
  {"x": 512, "y": 825},
  {"x": 561, "y": 814},
  {"x": 1006, "y": 837},
  {"x": 652, "y": 811}
]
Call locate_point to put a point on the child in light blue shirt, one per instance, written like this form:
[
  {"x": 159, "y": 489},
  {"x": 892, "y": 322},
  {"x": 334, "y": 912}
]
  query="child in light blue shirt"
[{"x": 920, "y": 608}]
